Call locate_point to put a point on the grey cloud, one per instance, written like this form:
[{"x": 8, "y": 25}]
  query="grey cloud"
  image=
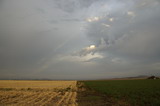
[
  {"x": 73, "y": 5},
  {"x": 128, "y": 36},
  {"x": 53, "y": 21},
  {"x": 52, "y": 38},
  {"x": 131, "y": 37},
  {"x": 71, "y": 20},
  {"x": 92, "y": 49}
]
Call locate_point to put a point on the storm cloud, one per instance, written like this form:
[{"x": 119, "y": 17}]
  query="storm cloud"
[{"x": 79, "y": 39}]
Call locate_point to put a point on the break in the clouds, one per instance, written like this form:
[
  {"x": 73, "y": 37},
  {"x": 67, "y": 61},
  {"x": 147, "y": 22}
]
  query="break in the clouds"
[{"x": 79, "y": 39}]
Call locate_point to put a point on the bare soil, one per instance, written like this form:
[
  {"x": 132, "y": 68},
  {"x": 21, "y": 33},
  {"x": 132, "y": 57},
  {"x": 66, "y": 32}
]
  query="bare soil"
[{"x": 89, "y": 97}]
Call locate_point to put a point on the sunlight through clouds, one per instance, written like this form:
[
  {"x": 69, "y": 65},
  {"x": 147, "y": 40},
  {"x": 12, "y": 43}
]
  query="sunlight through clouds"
[
  {"x": 55, "y": 37},
  {"x": 92, "y": 19},
  {"x": 92, "y": 46},
  {"x": 131, "y": 13},
  {"x": 111, "y": 19},
  {"x": 106, "y": 25}
]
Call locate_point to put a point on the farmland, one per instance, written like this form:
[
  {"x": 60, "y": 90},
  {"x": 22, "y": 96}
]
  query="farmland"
[
  {"x": 38, "y": 93},
  {"x": 83, "y": 93},
  {"x": 124, "y": 92}
]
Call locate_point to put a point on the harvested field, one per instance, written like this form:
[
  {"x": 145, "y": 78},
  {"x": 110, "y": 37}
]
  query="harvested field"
[{"x": 38, "y": 93}]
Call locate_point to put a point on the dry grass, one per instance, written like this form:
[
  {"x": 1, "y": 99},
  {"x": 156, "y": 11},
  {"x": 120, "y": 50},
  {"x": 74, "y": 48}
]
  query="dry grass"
[{"x": 38, "y": 93}]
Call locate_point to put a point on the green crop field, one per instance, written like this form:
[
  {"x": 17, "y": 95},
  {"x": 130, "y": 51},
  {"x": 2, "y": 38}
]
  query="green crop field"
[{"x": 134, "y": 92}]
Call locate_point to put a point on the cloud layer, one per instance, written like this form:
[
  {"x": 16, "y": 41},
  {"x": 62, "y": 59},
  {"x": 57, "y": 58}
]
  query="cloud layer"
[{"x": 79, "y": 39}]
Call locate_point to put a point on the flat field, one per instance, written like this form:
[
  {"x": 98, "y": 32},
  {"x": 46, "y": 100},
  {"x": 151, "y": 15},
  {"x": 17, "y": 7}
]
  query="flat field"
[
  {"x": 130, "y": 92},
  {"x": 38, "y": 93}
]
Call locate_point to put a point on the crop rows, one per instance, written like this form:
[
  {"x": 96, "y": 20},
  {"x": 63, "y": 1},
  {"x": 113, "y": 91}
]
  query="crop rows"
[{"x": 41, "y": 96}]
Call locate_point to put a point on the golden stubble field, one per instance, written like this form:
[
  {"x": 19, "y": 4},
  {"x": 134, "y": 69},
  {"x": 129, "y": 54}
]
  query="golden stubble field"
[{"x": 38, "y": 93}]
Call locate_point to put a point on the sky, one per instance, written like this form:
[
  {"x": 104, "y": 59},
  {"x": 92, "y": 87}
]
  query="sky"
[{"x": 79, "y": 39}]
